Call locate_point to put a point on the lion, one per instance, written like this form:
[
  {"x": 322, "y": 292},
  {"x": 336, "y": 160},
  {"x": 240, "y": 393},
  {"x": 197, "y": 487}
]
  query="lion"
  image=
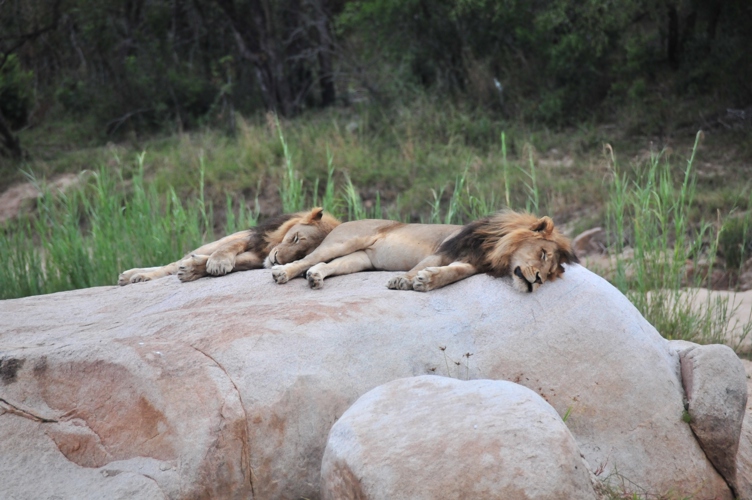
[
  {"x": 528, "y": 248},
  {"x": 290, "y": 237}
]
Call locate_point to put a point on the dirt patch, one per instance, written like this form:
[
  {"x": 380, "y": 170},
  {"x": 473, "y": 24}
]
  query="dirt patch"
[
  {"x": 20, "y": 197},
  {"x": 740, "y": 315}
]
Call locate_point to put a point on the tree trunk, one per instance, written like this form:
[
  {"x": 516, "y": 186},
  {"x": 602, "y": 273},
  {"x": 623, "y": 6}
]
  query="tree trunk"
[
  {"x": 673, "y": 37},
  {"x": 325, "y": 52},
  {"x": 257, "y": 45},
  {"x": 715, "y": 15},
  {"x": 10, "y": 142}
]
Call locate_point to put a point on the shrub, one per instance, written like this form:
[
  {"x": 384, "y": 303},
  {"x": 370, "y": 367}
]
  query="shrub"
[{"x": 16, "y": 94}]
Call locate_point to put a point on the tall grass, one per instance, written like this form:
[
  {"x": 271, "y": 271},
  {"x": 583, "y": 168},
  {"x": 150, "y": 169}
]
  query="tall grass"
[
  {"x": 291, "y": 191},
  {"x": 118, "y": 219},
  {"x": 84, "y": 237},
  {"x": 662, "y": 259}
]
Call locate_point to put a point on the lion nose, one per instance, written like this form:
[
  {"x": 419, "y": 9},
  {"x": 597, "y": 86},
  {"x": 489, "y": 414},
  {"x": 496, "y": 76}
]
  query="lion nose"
[{"x": 538, "y": 279}]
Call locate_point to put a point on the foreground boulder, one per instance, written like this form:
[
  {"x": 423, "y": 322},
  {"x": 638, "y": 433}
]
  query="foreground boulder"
[
  {"x": 228, "y": 387},
  {"x": 433, "y": 437},
  {"x": 715, "y": 384},
  {"x": 744, "y": 454}
]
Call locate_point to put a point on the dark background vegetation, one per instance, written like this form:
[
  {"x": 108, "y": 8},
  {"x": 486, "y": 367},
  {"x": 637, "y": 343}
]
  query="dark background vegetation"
[{"x": 118, "y": 67}]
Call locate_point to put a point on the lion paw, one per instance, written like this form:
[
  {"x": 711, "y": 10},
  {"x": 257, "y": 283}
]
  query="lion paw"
[
  {"x": 134, "y": 276},
  {"x": 220, "y": 264},
  {"x": 315, "y": 279},
  {"x": 140, "y": 278},
  {"x": 400, "y": 283},
  {"x": 423, "y": 281},
  {"x": 280, "y": 275},
  {"x": 125, "y": 277},
  {"x": 192, "y": 268}
]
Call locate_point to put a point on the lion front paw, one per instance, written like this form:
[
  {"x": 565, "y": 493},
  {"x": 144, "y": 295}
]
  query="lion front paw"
[
  {"x": 192, "y": 268},
  {"x": 279, "y": 273},
  {"x": 220, "y": 264},
  {"x": 125, "y": 277},
  {"x": 424, "y": 280},
  {"x": 315, "y": 279},
  {"x": 134, "y": 276},
  {"x": 400, "y": 283},
  {"x": 140, "y": 278}
]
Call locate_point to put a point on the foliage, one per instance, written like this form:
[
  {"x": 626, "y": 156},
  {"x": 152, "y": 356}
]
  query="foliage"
[
  {"x": 84, "y": 238},
  {"x": 553, "y": 61},
  {"x": 137, "y": 66},
  {"x": 649, "y": 216},
  {"x": 16, "y": 97},
  {"x": 735, "y": 241}
]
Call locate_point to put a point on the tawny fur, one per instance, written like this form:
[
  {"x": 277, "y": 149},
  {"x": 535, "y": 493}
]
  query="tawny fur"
[
  {"x": 434, "y": 255},
  {"x": 289, "y": 236},
  {"x": 499, "y": 237}
]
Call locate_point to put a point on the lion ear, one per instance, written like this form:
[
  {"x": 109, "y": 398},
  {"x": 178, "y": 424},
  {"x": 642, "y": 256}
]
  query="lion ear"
[
  {"x": 316, "y": 214},
  {"x": 543, "y": 225}
]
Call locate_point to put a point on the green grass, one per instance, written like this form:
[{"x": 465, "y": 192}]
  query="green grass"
[
  {"x": 616, "y": 487},
  {"x": 649, "y": 212},
  {"x": 442, "y": 165},
  {"x": 400, "y": 155},
  {"x": 116, "y": 220},
  {"x": 84, "y": 237}
]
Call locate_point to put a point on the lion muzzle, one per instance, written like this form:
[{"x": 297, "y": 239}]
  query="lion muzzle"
[{"x": 518, "y": 273}]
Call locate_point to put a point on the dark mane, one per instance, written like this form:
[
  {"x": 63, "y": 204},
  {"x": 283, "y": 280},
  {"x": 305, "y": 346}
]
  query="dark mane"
[
  {"x": 469, "y": 245},
  {"x": 256, "y": 241},
  {"x": 489, "y": 243}
]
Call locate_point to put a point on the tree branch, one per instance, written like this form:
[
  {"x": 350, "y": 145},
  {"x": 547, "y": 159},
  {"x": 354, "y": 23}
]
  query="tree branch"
[{"x": 25, "y": 37}]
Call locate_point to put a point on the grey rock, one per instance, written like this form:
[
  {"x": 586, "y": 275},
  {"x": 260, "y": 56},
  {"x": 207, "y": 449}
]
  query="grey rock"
[
  {"x": 236, "y": 381},
  {"x": 716, "y": 389},
  {"x": 744, "y": 453},
  {"x": 433, "y": 437}
]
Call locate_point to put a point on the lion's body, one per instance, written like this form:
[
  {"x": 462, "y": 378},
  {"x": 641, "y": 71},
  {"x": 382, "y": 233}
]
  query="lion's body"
[
  {"x": 435, "y": 255},
  {"x": 290, "y": 236}
]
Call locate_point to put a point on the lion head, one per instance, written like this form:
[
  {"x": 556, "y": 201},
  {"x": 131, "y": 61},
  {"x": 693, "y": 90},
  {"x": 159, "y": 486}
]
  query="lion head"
[
  {"x": 298, "y": 236},
  {"x": 531, "y": 249}
]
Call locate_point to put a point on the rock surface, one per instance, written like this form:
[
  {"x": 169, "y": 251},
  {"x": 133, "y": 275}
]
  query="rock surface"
[
  {"x": 744, "y": 454},
  {"x": 229, "y": 386},
  {"x": 716, "y": 388},
  {"x": 433, "y": 437}
]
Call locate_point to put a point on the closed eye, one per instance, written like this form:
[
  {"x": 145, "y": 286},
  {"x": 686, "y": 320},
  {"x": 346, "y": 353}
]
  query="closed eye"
[
  {"x": 295, "y": 239},
  {"x": 543, "y": 256}
]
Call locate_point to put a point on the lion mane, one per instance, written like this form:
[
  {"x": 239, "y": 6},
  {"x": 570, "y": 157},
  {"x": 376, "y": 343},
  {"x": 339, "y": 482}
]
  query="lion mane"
[{"x": 490, "y": 243}]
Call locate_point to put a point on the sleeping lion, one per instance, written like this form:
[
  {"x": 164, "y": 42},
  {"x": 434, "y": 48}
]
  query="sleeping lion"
[
  {"x": 290, "y": 237},
  {"x": 532, "y": 250}
]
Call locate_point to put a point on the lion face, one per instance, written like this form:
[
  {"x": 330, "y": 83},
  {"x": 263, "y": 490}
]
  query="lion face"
[
  {"x": 301, "y": 238},
  {"x": 534, "y": 263}
]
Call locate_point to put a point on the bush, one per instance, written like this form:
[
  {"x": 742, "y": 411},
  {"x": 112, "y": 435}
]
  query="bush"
[
  {"x": 16, "y": 95},
  {"x": 735, "y": 242}
]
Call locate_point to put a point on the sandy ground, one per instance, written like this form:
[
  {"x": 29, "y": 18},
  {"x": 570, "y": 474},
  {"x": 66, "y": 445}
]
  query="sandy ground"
[
  {"x": 739, "y": 304},
  {"x": 21, "y": 196},
  {"x": 740, "y": 308}
]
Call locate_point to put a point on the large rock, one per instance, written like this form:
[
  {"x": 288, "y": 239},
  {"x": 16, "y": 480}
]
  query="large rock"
[
  {"x": 744, "y": 453},
  {"x": 716, "y": 388},
  {"x": 433, "y": 437},
  {"x": 109, "y": 418},
  {"x": 230, "y": 385}
]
